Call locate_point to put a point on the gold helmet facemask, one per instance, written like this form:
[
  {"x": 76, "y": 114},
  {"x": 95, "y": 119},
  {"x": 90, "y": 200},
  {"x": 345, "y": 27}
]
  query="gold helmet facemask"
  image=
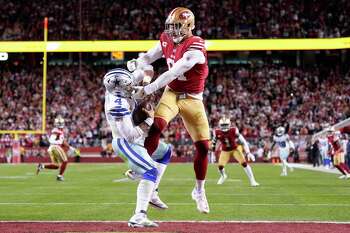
[{"x": 179, "y": 24}]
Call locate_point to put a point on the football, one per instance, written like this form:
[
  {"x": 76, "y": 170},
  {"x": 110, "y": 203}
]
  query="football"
[{"x": 139, "y": 115}]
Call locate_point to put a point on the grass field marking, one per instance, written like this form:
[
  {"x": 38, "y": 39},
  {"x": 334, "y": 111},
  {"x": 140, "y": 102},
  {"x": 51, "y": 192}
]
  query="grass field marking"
[
  {"x": 177, "y": 179},
  {"x": 14, "y": 177},
  {"x": 174, "y": 204},
  {"x": 178, "y": 221},
  {"x": 208, "y": 194}
]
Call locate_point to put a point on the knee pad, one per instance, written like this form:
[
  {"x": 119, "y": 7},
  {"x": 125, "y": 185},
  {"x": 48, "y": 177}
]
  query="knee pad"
[
  {"x": 166, "y": 157},
  {"x": 150, "y": 175},
  {"x": 244, "y": 164},
  {"x": 221, "y": 167}
]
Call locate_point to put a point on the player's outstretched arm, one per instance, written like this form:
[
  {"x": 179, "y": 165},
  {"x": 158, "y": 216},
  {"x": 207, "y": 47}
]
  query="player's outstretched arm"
[
  {"x": 189, "y": 59},
  {"x": 245, "y": 144},
  {"x": 145, "y": 59}
]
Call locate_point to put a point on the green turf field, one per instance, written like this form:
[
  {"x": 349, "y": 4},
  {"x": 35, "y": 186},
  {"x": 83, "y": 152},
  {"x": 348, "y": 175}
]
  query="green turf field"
[{"x": 89, "y": 193}]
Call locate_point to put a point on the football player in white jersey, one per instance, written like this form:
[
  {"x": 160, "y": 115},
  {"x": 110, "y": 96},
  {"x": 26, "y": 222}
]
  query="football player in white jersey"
[
  {"x": 128, "y": 142},
  {"x": 281, "y": 139}
]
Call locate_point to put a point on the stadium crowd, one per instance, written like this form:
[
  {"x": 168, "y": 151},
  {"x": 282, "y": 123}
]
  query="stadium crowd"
[
  {"x": 256, "y": 98},
  {"x": 110, "y": 20}
]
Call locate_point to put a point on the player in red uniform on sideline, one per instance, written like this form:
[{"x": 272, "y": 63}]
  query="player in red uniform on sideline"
[
  {"x": 232, "y": 141},
  {"x": 338, "y": 152},
  {"x": 57, "y": 154},
  {"x": 184, "y": 82}
]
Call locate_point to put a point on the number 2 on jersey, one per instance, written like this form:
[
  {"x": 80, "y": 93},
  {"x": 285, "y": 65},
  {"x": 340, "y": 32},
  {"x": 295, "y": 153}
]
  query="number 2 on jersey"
[{"x": 170, "y": 63}]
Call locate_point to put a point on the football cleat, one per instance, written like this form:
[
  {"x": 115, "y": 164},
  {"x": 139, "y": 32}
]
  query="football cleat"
[
  {"x": 284, "y": 174},
  {"x": 254, "y": 184},
  {"x": 342, "y": 177},
  {"x": 201, "y": 201},
  {"x": 132, "y": 175},
  {"x": 60, "y": 178},
  {"x": 140, "y": 220},
  {"x": 222, "y": 179},
  {"x": 39, "y": 168},
  {"x": 156, "y": 202}
]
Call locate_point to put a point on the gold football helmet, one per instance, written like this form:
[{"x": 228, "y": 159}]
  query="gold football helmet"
[
  {"x": 224, "y": 123},
  {"x": 179, "y": 24}
]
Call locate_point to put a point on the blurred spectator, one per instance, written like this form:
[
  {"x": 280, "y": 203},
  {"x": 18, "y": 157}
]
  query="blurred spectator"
[
  {"x": 257, "y": 98},
  {"x": 144, "y": 19}
]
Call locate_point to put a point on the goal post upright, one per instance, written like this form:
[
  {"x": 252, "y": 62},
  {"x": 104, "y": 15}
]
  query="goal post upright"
[{"x": 43, "y": 127}]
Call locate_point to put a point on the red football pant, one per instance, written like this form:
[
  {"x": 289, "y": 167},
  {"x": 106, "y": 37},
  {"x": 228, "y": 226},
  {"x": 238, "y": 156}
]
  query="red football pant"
[
  {"x": 152, "y": 140},
  {"x": 200, "y": 163}
]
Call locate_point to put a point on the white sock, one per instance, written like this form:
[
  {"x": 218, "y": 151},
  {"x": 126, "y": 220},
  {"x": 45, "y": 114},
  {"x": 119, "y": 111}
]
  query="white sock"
[
  {"x": 161, "y": 169},
  {"x": 222, "y": 172},
  {"x": 200, "y": 185},
  {"x": 284, "y": 166},
  {"x": 144, "y": 192},
  {"x": 249, "y": 172}
]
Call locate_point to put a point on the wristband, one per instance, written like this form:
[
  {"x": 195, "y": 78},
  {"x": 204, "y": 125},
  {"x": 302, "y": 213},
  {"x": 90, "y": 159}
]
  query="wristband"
[{"x": 149, "y": 121}]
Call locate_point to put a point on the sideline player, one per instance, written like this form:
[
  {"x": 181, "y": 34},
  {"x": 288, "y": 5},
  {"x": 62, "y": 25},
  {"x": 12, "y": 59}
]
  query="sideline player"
[
  {"x": 284, "y": 146},
  {"x": 57, "y": 154},
  {"x": 184, "y": 82},
  {"x": 128, "y": 143},
  {"x": 338, "y": 152},
  {"x": 228, "y": 137}
]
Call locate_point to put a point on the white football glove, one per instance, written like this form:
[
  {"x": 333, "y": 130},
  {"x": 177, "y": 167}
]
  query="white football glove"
[
  {"x": 251, "y": 157},
  {"x": 132, "y": 65},
  {"x": 139, "y": 93}
]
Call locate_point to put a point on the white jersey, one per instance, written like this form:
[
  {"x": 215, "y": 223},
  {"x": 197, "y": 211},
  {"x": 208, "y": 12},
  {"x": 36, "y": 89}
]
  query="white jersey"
[
  {"x": 281, "y": 141},
  {"x": 118, "y": 114},
  {"x": 323, "y": 145}
]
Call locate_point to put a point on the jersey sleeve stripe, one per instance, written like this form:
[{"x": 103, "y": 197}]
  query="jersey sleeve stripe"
[
  {"x": 119, "y": 114},
  {"x": 198, "y": 43},
  {"x": 195, "y": 48},
  {"x": 119, "y": 110},
  {"x": 194, "y": 45}
]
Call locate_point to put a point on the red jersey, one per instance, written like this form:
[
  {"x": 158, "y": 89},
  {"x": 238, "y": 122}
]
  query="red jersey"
[
  {"x": 228, "y": 138},
  {"x": 58, "y": 140},
  {"x": 192, "y": 81},
  {"x": 335, "y": 142}
]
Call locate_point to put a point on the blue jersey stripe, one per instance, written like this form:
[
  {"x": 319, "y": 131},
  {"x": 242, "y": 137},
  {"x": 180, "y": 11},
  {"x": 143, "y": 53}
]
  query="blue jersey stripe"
[
  {"x": 119, "y": 110},
  {"x": 135, "y": 154},
  {"x": 119, "y": 114},
  {"x": 128, "y": 156}
]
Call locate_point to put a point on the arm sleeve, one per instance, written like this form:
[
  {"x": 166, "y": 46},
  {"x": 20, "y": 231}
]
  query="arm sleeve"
[
  {"x": 244, "y": 142},
  {"x": 189, "y": 59},
  {"x": 150, "y": 56}
]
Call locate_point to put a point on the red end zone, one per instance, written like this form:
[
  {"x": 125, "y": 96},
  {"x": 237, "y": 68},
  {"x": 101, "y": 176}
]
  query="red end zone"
[{"x": 180, "y": 227}]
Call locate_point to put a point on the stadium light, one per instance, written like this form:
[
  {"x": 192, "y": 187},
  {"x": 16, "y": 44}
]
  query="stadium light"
[{"x": 4, "y": 56}]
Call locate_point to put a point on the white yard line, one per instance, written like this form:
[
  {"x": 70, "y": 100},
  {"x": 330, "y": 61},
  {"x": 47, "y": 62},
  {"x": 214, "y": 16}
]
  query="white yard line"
[
  {"x": 174, "y": 204},
  {"x": 178, "y": 221},
  {"x": 311, "y": 168}
]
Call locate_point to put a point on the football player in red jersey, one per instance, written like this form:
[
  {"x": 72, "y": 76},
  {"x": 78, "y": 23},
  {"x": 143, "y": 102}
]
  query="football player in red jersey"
[
  {"x": 338, "y": 152},
  {"x": 232, "y": 141},
  {"x": 57, "y": 154},
  {"x": 184, "y": 82}
]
